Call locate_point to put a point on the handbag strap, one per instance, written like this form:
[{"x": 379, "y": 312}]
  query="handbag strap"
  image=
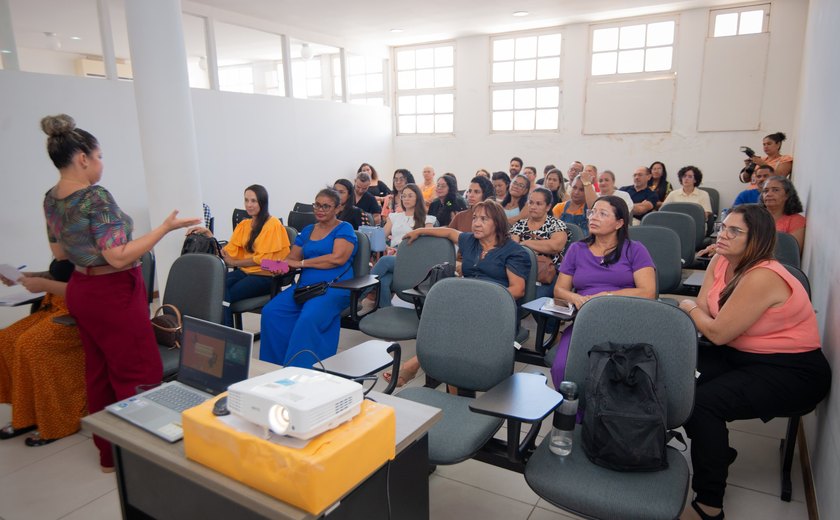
[
  {"x": 159, "y": 312},
  {"x": 337, "y": 278}
]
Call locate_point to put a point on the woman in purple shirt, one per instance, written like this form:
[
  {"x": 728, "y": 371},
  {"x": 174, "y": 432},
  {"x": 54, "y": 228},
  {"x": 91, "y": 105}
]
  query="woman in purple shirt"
[{"x": 607, "y": 263}]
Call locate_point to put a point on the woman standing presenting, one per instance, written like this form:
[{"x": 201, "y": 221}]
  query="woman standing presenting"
[{"x": 106, "y": 294}]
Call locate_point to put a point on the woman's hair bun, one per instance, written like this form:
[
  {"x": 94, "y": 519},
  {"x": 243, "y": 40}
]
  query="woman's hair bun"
[{"x": 58, "y": 125}]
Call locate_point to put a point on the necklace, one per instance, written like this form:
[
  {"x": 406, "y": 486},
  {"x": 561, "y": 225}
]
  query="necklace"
[{"x": 485, "y": 252}]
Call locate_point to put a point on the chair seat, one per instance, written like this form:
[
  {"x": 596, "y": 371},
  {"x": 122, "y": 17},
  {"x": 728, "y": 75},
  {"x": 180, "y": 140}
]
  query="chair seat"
[
  {"x": 391, "y": 323},
  {"x": 575, "y": 484},
  {"x": 461, "y": 432},
  {"x": 171, "y": 359},
  {"x": 250, "y": 304}
]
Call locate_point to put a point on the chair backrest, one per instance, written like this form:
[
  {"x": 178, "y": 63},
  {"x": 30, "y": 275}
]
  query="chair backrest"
[
  {"x": 714, "y": 199},
  {"x": 681, "y": 224},
  {"x": 292, "y": 234},
  {"x": 466, "y": 333},
  {"x": 696, "y": 212},
  {"x": 147, "y": 267},
  {"x": 196, "y": 285},
  {"x": 361, "y": 262},
  {"x": 623, "y": 319},
  {"x": 414, "y": 261},
  {"x": 787, "y": 249},
  {"x": 531, "y": 281},
  {"x": 663, "y": 244},
  {"x": 300, "y": 220},
  {"x": 303, "y": 207},
  {"x": 238, "y": 216},
  {"x": 802, "y": 277},
  {"x": 575, "y": 233},
  {"x": 211, "y": 225}
]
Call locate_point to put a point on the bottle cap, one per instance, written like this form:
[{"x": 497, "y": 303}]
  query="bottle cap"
[{"x": 569, "y": 390}]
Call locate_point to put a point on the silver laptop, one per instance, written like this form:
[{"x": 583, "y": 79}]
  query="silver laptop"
[{"x": 213, "y": 357}]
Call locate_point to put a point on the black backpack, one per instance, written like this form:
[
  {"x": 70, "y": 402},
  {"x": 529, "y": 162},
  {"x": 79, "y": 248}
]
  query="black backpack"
[
  {"x": 624, "y": 425},
  {"x": 199, "y": 243}
]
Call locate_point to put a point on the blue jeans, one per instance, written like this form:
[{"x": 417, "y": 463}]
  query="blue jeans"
[
  {"x": 240, "y": 285},
  {"x": 384, "y": 269}
]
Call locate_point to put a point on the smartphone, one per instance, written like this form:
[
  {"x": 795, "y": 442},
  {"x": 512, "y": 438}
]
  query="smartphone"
[
  {"x": 65, "y": 319},
  {"x": 275, "y": 266}
]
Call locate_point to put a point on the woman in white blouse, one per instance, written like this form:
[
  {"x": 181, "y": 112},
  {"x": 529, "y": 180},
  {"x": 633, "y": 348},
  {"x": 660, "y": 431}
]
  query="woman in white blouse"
[{"x": 690, "y": 178}]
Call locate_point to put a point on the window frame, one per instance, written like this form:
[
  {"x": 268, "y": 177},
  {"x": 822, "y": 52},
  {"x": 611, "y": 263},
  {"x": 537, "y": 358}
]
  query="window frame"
[
  {"x": 353, "y": 99},
  {"x": 641, "y": 75},
  {"x": 397, "y": 92},
  {"x": 535, "y": 83},
  {"x": 765, "y": 23}
]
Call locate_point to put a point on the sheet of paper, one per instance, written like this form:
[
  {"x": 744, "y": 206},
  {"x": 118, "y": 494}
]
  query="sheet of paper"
[
  {"x": 11, "y": 272},
  {"x": 17, "y": 298}
]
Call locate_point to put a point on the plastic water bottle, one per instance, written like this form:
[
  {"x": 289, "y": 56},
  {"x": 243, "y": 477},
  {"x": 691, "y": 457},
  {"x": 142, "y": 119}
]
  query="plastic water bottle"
[{"x": 565, "y": 415}]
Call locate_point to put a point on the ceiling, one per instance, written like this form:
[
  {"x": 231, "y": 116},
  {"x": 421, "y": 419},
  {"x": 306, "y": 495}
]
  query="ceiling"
[{"x": 359, "y": 23}]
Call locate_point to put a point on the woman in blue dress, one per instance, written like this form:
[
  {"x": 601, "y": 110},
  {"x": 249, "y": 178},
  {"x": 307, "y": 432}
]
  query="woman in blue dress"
[{"x": 323, "y": 252}]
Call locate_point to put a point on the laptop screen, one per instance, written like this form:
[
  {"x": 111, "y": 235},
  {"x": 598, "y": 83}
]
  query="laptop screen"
[{"x": 213, "y": 356}]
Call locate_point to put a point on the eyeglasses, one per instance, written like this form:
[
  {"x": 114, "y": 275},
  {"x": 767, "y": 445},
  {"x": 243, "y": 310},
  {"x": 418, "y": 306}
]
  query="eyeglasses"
[
  {"x": 322, "y": 207},
  {"x": 520, "y": 185},
  {"x": 600, "y": 213},
  {"x": 728, "y": 231}
]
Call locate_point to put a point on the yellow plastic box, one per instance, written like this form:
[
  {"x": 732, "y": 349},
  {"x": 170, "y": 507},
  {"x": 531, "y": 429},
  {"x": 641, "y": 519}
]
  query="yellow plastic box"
[{"x": 312, "y": 478}]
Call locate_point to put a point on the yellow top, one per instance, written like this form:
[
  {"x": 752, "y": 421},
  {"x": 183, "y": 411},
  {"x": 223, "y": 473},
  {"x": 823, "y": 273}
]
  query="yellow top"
[{"x": 272, "y": 243}]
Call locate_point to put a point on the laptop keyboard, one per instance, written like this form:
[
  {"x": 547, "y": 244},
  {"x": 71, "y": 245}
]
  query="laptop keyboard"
[{"x": 176, "y": 398}]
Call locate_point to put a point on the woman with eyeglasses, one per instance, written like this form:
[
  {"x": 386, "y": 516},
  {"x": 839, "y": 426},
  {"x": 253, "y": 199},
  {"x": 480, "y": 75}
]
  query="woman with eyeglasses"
[
  {"x": 605, "y": 263},
  {"x": 779, "y": 196},
  {"x": 581, "y": 197},
  {"x": 516, "y": 198},
  {"x": 413, "y": 217},
  {"x": 545, "y": 235},
  {"x": 256, "y": 238},
  {"x": 323, "y": 252},
  {"x": 690, "y": 179},
  {"x": 487, "y": 253},
  {"x": 763, "y": 358},
  {"x": 402, "y": 177},
  {"x": 448, "y": 202},
  {"x": 347, "y": 210}
]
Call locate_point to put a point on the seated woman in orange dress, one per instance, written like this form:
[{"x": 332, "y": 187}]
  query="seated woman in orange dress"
[{"x": 42, "y": 365}]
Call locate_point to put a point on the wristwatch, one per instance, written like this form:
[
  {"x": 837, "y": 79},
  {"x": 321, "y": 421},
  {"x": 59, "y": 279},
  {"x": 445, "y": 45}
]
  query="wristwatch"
[{"x": 587, "y": 183}]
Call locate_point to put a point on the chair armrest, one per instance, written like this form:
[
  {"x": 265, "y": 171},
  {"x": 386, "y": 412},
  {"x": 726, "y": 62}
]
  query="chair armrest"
[
  {"x": 521, "y": 398},
  {"x": 356, "y": 286},
  {"x": 418, "y": 298},
  {"x": 358, "y": 283},
  {"x": 362, "y": 360}
]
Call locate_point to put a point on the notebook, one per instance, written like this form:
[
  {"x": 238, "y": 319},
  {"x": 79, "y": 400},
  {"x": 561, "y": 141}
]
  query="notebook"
[{"x": 213, "y": 357}]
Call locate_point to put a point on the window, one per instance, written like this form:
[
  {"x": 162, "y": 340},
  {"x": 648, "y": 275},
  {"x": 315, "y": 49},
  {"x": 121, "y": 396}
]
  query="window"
[
  {"x": 632, "y": 48},
  {"x": 525, "y": 86},
  {"x": 312, "y": 70},
  {"x": 426, "y": 89},
  {"x": 365, "y": 79},
  {"x": 743, "y": 20},
  {"x": 250, "y": 60}
]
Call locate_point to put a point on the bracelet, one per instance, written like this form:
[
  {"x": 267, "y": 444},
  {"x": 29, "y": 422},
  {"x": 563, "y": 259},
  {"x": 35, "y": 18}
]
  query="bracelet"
[{"x": 691, "y": 309}]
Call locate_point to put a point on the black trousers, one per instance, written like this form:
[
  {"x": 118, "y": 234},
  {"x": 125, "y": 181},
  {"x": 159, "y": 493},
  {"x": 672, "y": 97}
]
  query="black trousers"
[{"x": 735, "y": 385}]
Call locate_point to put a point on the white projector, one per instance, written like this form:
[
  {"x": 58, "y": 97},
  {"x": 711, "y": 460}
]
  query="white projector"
[{"x": 297, "y": 402}]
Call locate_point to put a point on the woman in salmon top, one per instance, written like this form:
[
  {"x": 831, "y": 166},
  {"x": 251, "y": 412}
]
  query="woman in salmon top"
[{"x": 765, "y": 358}]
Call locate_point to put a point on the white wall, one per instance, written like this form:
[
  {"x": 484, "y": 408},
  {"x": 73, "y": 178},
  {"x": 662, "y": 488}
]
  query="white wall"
[
  {"x": 715, "y": 153},
  {"x": 819, "y": 112},
  {"x": 293, "y": 147}
]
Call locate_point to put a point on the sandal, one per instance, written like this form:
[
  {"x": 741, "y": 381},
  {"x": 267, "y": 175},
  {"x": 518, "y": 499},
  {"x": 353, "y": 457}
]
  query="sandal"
[
  {"x": 7, "y": 432},
  {"x": 36, "y": 440},
  {"x": 405, "y": 376},
  {"x": 704, "y": 515}
]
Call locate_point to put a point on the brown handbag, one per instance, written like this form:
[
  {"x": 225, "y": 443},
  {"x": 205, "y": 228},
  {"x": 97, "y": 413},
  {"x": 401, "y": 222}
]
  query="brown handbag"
[
  {"x": 546, "y": 271},
  {"x": 168, "y": 327}
]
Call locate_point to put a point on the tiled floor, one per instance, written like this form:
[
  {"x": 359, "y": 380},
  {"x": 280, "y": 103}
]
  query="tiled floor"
[{"x": 62, "y": 480}]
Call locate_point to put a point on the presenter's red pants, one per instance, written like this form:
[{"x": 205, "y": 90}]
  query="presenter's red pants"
[{"x": 121, "y": 352}]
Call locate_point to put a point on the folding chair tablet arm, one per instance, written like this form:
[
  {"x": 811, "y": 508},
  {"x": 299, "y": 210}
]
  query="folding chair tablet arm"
[{"x": 357, "y": 286}]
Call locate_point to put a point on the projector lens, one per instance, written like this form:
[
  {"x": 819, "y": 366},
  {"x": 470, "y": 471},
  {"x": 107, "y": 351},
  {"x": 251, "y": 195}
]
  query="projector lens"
[{"x": 278, "y": 419}]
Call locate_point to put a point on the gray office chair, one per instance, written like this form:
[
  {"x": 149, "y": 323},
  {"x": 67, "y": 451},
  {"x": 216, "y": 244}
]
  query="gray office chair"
[
  {"x": 663, "y": 244},
  {"x": 787, "y": 250},
  {"x": 238, "y": 216},
  {"x": 196, "y": 286},
  {"x": 361, "y": 282},
  {"x": 300, "y": 220},
  {"x": 696, "y": 212},
  {"x": 147, "y": 267},
  {"x": 681, "y": 224},
  {"x": 412, "y": 264},
  {"x": 714, "y": 198},
  {"x": 575, "y": 234},
  {"x": 464, "y": 339},
  {"x": 575, "y": 484},
  {"x": 256, "y": 303}
]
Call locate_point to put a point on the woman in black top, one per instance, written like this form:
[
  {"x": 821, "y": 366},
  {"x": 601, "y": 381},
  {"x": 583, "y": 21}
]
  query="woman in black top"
[
  {"x": 347, "y": 210},
  {"x": 447, "y": 203},
  {"x": 377, "y": 188}
]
